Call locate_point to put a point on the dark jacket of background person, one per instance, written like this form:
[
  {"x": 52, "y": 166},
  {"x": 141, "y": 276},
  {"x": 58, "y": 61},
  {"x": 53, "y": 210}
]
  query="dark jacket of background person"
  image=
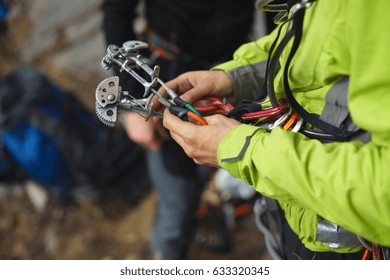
[
  {"x": 206, "y": 32},
  {"x": 183, "y": 22}
]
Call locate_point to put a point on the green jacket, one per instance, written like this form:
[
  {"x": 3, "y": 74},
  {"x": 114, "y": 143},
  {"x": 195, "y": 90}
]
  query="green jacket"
[{"x": 344, "y": 183}]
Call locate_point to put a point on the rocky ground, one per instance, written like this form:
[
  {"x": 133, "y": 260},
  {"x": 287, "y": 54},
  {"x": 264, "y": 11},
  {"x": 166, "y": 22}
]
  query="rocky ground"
[
  {"x": 97, "y": 229},
  {"x": 63, "y": 39}
]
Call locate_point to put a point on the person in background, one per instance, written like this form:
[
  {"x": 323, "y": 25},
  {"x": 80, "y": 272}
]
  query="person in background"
[
  {"x": 329, "y": 180},
  {"x": 183, "y": 35}
]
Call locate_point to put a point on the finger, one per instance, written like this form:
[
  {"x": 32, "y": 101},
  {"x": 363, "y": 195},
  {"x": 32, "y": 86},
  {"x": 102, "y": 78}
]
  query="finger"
[
  {"x": 196, "y": 93},
  {"x": 218, "y": 119},
  {"x": 198, "y": 162},
  {"x": 176, "y": 85},
  {"x": 180, "y": 84},
  {"x": 214, "y": 119},
  {"x": 176, "y": 125},
  {"x": 189, "y": 87},
  {"x": 182, "y": 143},
  {"x": 179, "y": 140}
]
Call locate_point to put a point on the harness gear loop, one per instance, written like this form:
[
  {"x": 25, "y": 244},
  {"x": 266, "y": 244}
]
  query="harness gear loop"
[{"x": 295, "y": 19}]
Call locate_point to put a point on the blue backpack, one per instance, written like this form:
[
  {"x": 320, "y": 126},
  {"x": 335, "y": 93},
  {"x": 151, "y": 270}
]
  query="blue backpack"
[
  {"x": 3, "y": 10},
  {"x": 3, "y": 13},
  {"x": 48, "y": 136}
]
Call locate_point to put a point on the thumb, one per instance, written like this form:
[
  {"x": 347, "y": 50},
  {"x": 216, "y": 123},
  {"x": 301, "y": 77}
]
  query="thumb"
[{"x": 196, "y": 93}]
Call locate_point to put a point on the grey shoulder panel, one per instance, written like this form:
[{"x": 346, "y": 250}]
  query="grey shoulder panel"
[
  {"x": 248, "y": 81},
  {"x": 336, "y": 111}
]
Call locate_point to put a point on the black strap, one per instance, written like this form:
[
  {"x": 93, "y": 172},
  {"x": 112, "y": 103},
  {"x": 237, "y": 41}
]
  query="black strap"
[
  {"x": 272, "y": 63},
  {"x": 291, "y": 3},
  {"x": 245, "y": 106},
  {"x": 341, "y": 134}
]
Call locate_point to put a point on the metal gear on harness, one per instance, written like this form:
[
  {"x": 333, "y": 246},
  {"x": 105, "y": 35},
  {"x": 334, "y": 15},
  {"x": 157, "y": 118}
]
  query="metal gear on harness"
[{"x": 292, "y": 12}]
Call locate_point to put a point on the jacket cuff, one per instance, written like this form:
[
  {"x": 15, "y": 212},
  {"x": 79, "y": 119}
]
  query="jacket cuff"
[
  {"x": 233, "y": 147},
  {"x": 248, "y": 80}
]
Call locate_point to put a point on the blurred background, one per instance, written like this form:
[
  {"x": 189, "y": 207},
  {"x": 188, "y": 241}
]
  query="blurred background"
[{"x": 64, "y": 40}]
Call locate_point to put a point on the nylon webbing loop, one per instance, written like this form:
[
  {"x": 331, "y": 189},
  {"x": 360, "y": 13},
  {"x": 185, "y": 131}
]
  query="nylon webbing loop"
[{"x": 340, "y": 134}]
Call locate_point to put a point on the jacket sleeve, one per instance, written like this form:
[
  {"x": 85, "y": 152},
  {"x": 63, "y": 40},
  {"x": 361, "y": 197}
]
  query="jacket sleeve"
[
  {"x": 346, "y": 183},
  {"x": 247, "y": 68}
]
